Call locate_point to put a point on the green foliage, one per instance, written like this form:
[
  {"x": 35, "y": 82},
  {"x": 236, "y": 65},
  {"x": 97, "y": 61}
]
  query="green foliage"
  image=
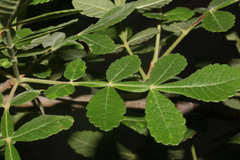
[
  {"x": 232, "y": 103},
  {"x": 138, "y": 124},
  {"x": 25, "y": 97},
  {"x": 143, "y": 36},
  {"x": 11, "y": 153},
  {"x": 6, "y": 124},
  {"x": 151, "y": 4},
  {"x": 1, "y": 99},
  {"x": 59, "y": 90},
  {"x": 75, "y": 70},
  {"x": 35, "y": 2}
]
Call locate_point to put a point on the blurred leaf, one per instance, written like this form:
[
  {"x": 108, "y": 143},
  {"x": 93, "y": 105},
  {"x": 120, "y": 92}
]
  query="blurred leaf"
[
  {"x": 25, "y": 97},
  {"x": 5, "y": 63},
  {"x": 71, "y": 54},
  {"x": 110, "y": 32},
  {"x": 112, "y": 17},
  {"x": 235, "y": 139},
  {"x": 123, "y": 68},
  {"x": 32, "y": 43},
  {"x": 132, "y": 86},
  {"x": 165, "y": 123},
  {"x": 179, "y": 14},
  {"x": 119, "y": 2},
  {"x": 232, "y": 103},
  {"x": 143, "y": 36},
  {"x": 176, "y": 154},
  {"x": 142, "y": 49},
  {"x": 233, "y": 36},
  {"x": 106, "y": 109},
  {"x": 6, "y": 124},
  {"x": 98, "y": 43},
  {"x": 146, "y": 5},
  {"x": 59, "y": 90},
  {"x": 189, "y": 134},
  {"x": 93, "y": 8},
  {"x": 218, "y": 21},
  {"x": 218, "y": 4},
  {"x": 166, "y": 68},
  {"x": 30, "y": 53},
  {"x": 2, "y": 142},
  {"x": 54, "y": 41},
  {"x": 22, "y": 33},
  {"x": 42, "y": 127},
  {"x": 41, "y": 71},
  {"x": 138, "y": 124},
  {"x": 211, "y": 83},
  {"x": 11, "y": 153},
  {"x": 157, "y": 16},
  {"x": 1, "y": 99},
  {"x": 35, "y": 2},
  {"x": 75, "y": 70}
]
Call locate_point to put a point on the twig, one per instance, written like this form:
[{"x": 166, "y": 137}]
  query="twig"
[{"x": 5, "y": 85}]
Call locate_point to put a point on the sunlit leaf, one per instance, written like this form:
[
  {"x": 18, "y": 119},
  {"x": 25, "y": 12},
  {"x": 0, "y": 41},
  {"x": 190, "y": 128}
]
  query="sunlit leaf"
[
  {"x": 25, "y": 97},
  {"x": 59, "y": 90},
  {"x": 75, "y": 70},
  {"x": 106, "y": 109},
  {"x": 138, "y": 124},
  {"x": 165, "y": 123},
  {"x": 42, "y": 127}
]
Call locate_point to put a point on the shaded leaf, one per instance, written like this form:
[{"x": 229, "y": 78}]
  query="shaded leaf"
[
  {"x": 212, "y": 83},
  {"x": 233, "y": 36},
  {"x": 138, "y": 124},
  {"x": 106, "y": 109},
  {"x": 35, "y": 2},
  {"x": 2, "y": 142},
  {"x": 59, "y": 90},
  {"x": 166, "y": 68},
  {"x": 5, "y": 63},
  {"x": 132, "y": 86},
  {"x": 6, "y": 124},
  {"x": 151, "y": 4},
  {"x": 119, "y": 2},
  {"x": 94, "y": 83},
  {"x": 75, "y": 70},
  {"x": 30, "y": 53},
  {"x": 11, "y": 153},
  {"x": 165, "y": 123},
  {"x": 235, "y": 139},
  {"x": 157, "y": 16},
  {"x": 189, "y": 134},
  {"x": 41, "y": 71},
  {"x": 22, "y": 33},
  {"x": 218, "y": 21},
  {"x": 98, "y": 43},
  {"x": 112, "y": 17},
  {"x": 143, "y": 36},
  {"x": 1, "y": 99},
  {"x": 142, "y": 49},
  {"x": 93, "y": 8},
  {"x": 42, "y": 127},
  {"x": 25, "y": 97},
  {"x": 232, "y": 103},
  {"x": 179, "y": 14},
  {"x": 123, "y": 68},
  {"x": 54, "y": 40},
  {"x": 32, "y": 43}
]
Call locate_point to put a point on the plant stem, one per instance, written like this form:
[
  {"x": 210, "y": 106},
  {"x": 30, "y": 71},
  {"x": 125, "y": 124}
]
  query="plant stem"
[
  {"x": 126, "y": 45},
  {"x": 184, "y": 33},
  {"x": 156, "y": 50},
  {"x": 14, "y": 88},
  {"x": 193, "y": 151}
]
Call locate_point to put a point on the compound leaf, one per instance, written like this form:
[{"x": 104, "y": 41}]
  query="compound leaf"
[
  {"x": 150, "y": 4},
  {"x": 167, "y": 67},
  {"x": 42, "y": 127},
  {"x": 25, "y": 97},
  {"x": 211, "y": 83},
  {"x": 138, "y": 124},
  {"x": 106, "y": 109},
  {"x": 11, "y": 152},
  {"x": 93, "y": 8},
  {"x": 123, "y": 68},
  {"x": 143, "y": 36},
  {"x": 98, "y": 43},
  {"x": 75, "y": 70},
  {"x": 165, "y": 123},
  {"x": 59, "y": 90},
  {"x": 117, "y": 14},
  {"x": 218, "y": 21}
]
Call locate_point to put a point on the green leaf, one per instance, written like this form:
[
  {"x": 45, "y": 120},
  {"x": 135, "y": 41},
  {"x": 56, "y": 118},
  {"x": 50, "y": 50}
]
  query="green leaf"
[
  {"x": 75, "y": 70},
  {"x": 165, "y": 123},
  {"x": 93, "y": 8},
  {"x": 59, "y": 90},
  {"x": 10, "y": 9},
  {"x": 119, "y": 2},
  {"x": 1, "y": 99},
  {"x": 143, "y": 36},
  {"x": 123, "y": 68},
  {"x": 41, "y": 71},
  {"x": 112, "y": 17},
  {"x": 179, "y": 14},
  {"x": 48, "y": 16},
  {"x": 235, "y": 139},
  {"x": 142, "y": 48},
  {"x": 42, "y": 127},
  {"x": 157, "y": 16},
  {"x": 212, "y": 83},
  {"x": 218, "y": 4},
  {"x": 11, "y": 153},
  {"x": 138, "y": 124},
  {"x": 106, "y": 109},
  {"x": 232, "y": 103},
  {"x": 25, "y": 97},
  {"x": 98, "y": 43},
  {"x": 35, "y": 2},
  {"x": 6, "y": 124},
  {"x": 2, "y": 142},
  {"x": 22, "y": 33},
  {"x": 189, "y": 134},
  {"x": 218, "y": 21},
  {"x": 132, "y": 86},
  {"x": 166, "y": 68},
  {"x": 54, "y": 40},
  {"x": 5, "y": 63},
  {"x": 31, "y": 53},
  {"x": 32, "y": 43},
  {"x": 94, "y": 84},
  {"x": 151, "y": 4}
]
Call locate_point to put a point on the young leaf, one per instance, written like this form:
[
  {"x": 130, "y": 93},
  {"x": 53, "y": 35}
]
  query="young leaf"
[
  {"x": 123, "y": 68},
  {"x": 112, "y": 17},
  {"x": 218, "y": 21},
  {"x": 6, "y": 124},
  {"x": 1, "y": 99},
  {"x": 54, "y": 40},
  {"x": 166, "y": 68},
  {"x": 165, "y": 123},
  {"x": 143, "y": 36},
  {"x": 138, "y": 124},
  {"x": 93, "y": 8},
  {"x": 25, "y": 97},
  {"x": 42, "y": 127},
  {"x": 132, "y": 86},
  {"x": 106, "y": 109},
  {"x": 218, "y": 4},
  {"x": 212, "y": 83},
  {"x": 11, "y": 153},
  {"x": 179, "y": 14},
  {"x": 75, "y": 70},
  {"x": 59, "y": 90},
  {"x": 98, "y": 43},
  {"x": 232, "y": 103},
  {"x": 35, "y": 2},
  {"x": 150, "y": 4}
]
